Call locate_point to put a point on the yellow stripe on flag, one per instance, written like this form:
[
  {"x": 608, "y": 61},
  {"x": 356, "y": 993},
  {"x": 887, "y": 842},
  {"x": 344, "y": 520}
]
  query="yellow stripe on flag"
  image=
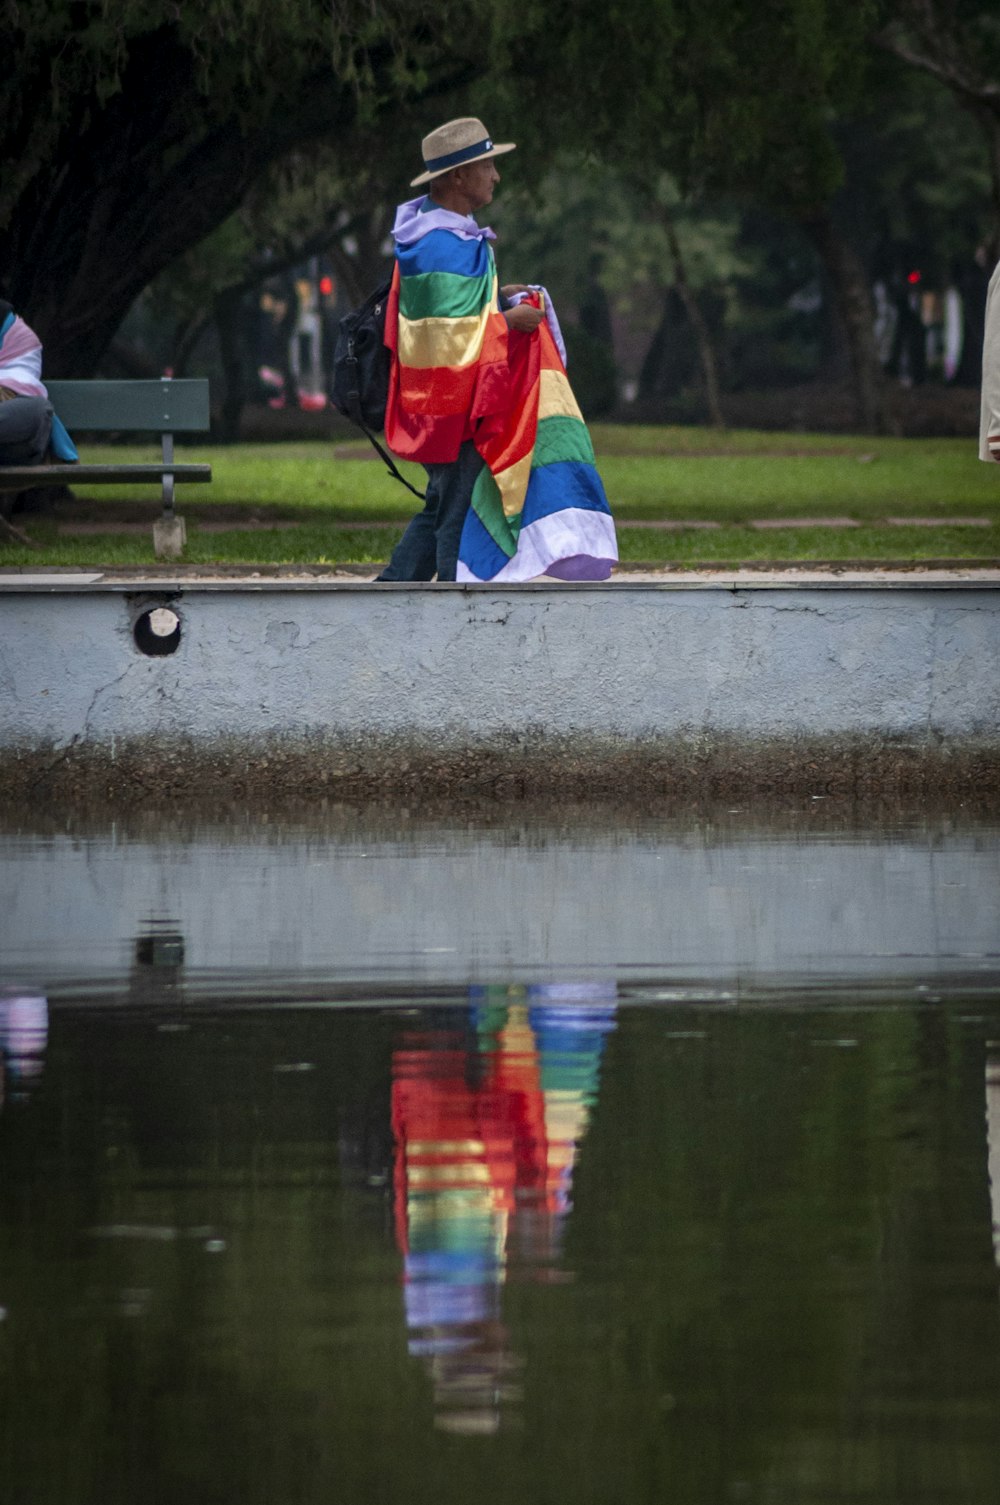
[
  {"x": 512, "y": 485},
  {"x": 445, "y": 1147},
  {"x": 556, "y": 400},
  {"x": 471, "y": 1173},
  {"x": 423, "y": 343}
]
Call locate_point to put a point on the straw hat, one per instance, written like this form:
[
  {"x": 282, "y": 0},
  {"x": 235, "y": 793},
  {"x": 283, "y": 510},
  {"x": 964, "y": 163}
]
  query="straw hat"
[{"x": 455, "y": 144}]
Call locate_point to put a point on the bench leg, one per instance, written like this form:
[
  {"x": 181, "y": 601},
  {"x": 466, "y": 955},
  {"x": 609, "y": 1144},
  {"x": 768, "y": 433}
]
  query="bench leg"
[
  {"x": 169, "y": 533},
  {"x": 168, "y": 478}
]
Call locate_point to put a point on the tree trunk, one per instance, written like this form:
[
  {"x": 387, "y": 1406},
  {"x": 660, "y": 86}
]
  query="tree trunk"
[
  {"x": 849, "y": 286},
  {"x": 593, "y": 306},
  {"x": 651, "y": 373},
  {"x": 229, "y": 323},
  {"x": 703, "y": 338},
  {"x": 128, "y": 360},
  {"x": 186, "y": 336}
]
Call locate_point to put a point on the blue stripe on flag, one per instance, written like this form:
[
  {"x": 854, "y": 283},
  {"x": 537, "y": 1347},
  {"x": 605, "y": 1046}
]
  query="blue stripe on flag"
[
  {"x": 479, "y": 550},
  {"x": 564, "y": 483},
  {"x": 552, "y": 488},
  {"x": 441, "y": 251}
]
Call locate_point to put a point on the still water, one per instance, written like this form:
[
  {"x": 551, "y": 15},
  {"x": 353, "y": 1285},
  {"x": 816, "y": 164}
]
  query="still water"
[{"x": 599, "y": 1157}]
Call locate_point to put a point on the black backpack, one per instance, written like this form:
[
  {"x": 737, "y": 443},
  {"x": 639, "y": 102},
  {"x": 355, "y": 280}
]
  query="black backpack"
[{"x": 361, "y": 365}]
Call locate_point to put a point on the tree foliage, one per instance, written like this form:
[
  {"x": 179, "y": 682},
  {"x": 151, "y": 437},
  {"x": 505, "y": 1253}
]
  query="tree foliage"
[
  {"x": 956, "y": 42},
  {"x": 741, "y": 97},
  {"x": 131, "y": 129},
  {"x": 216, "y": 139}
]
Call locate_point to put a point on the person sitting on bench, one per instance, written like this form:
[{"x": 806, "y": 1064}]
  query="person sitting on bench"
[{"x": 28, "y": 427}]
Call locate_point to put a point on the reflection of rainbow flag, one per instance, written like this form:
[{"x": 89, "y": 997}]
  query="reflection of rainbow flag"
[
  {"x": 539, "y": 507},
  {"x": 479, "y": 1146},
  {"x": 486, "y": 1128},
  {"x": 570, "y": 1024},
  {"x": 449, "y": 339}
]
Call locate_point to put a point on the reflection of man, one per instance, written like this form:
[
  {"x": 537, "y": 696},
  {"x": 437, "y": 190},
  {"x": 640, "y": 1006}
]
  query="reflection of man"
[
  {"x": 451, "y": 1229},
  {"x": 486, "y": 1128},
  {"x": 989, "y": 427},
  {"x": 455, "y": 361}
]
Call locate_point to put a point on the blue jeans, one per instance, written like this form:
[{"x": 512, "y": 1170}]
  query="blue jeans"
[{"x": 430, "y": 543}]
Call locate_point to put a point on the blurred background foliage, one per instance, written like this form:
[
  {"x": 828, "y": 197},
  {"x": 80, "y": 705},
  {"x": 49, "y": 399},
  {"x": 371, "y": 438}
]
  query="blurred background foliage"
[{"x": 724, "y": 201}]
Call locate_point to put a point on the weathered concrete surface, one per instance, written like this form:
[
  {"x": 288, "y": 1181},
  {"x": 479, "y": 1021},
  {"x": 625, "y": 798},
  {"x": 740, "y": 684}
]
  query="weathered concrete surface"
[{"x": 354, "y": 688}]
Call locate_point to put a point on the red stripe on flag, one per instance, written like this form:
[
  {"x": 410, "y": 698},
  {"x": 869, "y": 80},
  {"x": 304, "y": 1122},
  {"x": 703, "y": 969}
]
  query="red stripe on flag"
[
  {"x": 431, "y": 411},
  {"x": 513, "y": 436}
]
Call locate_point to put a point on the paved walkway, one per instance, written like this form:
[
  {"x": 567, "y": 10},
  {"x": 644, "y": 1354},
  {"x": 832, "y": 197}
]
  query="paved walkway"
[
  {"x": 661, "y": 525},
  {"x": 160, "y": 576}
]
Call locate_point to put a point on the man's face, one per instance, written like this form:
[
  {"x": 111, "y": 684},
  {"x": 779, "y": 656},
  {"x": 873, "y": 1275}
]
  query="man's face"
[{"x": 478, "y": 182}]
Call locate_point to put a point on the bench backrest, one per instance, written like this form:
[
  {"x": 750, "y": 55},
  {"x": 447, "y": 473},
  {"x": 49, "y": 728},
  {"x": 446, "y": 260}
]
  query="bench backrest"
[{"x": 163, "y": 406}]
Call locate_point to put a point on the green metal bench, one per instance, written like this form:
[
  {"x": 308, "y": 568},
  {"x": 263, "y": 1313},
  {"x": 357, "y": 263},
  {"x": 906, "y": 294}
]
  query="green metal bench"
[{"x": 165, "y": 407}]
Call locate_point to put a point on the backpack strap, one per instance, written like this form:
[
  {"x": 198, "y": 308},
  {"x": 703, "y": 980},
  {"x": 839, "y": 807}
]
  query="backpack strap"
[
  {"x": 390, "y": 462},
  {"x": 354, "y": 413}
]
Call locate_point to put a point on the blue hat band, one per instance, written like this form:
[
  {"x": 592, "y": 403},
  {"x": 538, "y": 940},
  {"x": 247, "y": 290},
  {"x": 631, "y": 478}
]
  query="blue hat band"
[{"x": 455, "y": 159}]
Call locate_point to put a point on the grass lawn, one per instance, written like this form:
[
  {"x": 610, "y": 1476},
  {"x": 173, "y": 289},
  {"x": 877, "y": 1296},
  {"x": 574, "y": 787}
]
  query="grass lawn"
[{"x": 310, "y": 502}]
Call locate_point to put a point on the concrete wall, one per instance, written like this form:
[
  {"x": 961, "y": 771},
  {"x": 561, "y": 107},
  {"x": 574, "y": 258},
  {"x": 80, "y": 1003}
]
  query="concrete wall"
[
  {"x": 355, "y": 684},
  {"x": 367, "y": 901}
]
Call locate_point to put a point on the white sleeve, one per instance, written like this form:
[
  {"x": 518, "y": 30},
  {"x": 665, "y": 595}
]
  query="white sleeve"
[{"x": 989, "y": 423}]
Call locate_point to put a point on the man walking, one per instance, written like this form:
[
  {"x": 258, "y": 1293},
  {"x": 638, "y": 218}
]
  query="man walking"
[{"x": 447, "y": 325}]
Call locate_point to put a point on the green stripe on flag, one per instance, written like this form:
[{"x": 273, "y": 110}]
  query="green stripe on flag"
[
  {"x": 561, "y": 438},
  {"x": 488, "y": 507},
  {"x": 444, "y": 295}
]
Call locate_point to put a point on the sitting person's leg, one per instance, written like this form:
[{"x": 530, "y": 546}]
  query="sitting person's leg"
[{"x": 25, "y": 425}]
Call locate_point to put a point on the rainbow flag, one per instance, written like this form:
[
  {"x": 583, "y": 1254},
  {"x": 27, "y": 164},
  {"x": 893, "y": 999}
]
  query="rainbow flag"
[
  {"x": 448, "y": 338},
  {"x": 539, "y": 506},
  {"x": 458, "y": 373}
]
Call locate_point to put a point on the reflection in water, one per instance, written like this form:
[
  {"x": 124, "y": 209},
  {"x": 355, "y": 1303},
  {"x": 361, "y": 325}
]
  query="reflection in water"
[
  {"x": 487, "y": 1118},
  {"x": 24, "y": 1032},
  {"x": 157, "y": 973},
  {"x": 993, "y": 1143},
  {"x": 769, "y": 1274},
  {"x": 707, "y": 897},
  {"x": 783, "y": 1278}
]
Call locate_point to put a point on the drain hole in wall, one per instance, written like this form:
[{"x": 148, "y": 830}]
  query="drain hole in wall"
[{"x": 157, "y": 631}]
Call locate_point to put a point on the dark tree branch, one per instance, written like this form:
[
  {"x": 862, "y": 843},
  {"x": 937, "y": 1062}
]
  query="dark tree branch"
[
  {"x": 921, "y": 37},
  {"x": 950, "y": 70},
  {"x": 130, "y": 186}
]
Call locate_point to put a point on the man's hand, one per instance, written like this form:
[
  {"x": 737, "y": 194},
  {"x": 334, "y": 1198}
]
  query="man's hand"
[
  {"x": 514, "y": 287},
  {"x": 524, "y": 317},
  {"x": 993, "y": 445}
]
